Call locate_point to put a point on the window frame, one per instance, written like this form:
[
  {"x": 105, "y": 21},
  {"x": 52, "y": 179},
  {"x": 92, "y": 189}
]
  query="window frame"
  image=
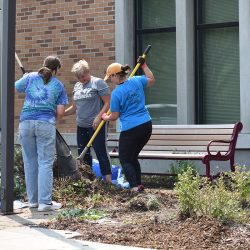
[
  {"x": 139, "y": 32},
  {"x": 199, "y": 26}
]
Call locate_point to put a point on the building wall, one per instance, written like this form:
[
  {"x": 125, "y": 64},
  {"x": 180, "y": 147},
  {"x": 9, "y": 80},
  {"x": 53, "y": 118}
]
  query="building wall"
[
  {"x": 103, "y": 32},
  {"x": 72, "y": 30},
  {"x": 186, "y": 72}
]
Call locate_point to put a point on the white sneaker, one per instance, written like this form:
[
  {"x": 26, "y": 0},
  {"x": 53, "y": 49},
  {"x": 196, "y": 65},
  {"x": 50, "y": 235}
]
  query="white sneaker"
[
  {"x": 33, "y": 205},
  {"x": 49, "y": 207}
]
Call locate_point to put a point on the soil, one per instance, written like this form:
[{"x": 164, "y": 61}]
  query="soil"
[{"x": 150, "y": 219}]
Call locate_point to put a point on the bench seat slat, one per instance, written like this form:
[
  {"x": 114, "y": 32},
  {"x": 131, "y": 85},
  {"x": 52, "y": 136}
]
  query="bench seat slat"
[
  {"x": 187, "y": 148},
  {"x": 164, "y": 155},
  {"x": 195, "y": 126},
  {"x": 182, "y": 143},
  {"x": 190, "y": 137},
  {"x": 185, "y": 137},
  {"x": 193, "y": 131}
]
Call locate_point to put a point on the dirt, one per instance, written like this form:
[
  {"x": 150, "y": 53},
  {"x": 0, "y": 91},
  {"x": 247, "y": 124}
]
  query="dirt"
[{"x": 150, "y": 219}]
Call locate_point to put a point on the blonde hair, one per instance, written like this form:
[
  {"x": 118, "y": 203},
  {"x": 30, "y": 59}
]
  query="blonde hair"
[{"x": 80, "y": 68}]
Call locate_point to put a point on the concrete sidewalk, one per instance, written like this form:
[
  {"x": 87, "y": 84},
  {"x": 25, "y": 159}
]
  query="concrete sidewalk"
[{"x": 20, "y": 231}]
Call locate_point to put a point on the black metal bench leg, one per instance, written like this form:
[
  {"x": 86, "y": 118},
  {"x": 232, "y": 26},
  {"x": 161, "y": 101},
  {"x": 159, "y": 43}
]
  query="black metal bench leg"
[
  {"x": 208, "y": 170},
  {"x": 232, "y": 164}
]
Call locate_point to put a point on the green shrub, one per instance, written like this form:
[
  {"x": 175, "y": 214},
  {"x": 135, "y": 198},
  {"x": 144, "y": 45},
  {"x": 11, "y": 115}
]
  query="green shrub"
[
  {"x": 220, "y": 202},
  {"x": 241, "y": 184},
  {"x": 181, "y": 166},
  {"x": 199, "y": 196},
  {"x": 187, "y": 189},
  {"x": 19, "y": 179}
]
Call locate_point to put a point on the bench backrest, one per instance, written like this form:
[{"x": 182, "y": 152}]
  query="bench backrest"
[{"x": 191, "y": 138}]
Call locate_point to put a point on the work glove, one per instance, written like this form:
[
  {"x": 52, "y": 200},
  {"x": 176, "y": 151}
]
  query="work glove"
[{"x": 141, "y": 60}]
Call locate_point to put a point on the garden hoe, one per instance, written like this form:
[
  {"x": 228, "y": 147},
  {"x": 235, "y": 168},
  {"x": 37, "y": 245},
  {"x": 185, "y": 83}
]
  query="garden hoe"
[
  {"x": 85, "y": 150},
  {"x": 64, "y": 164}
]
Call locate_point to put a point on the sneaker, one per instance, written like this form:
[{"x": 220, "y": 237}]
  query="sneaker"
[
  {"x": 137, "y": 189},
  {"x": 140, "y": 188},
  {"x": 49, "y": 207},
  {"x": 33, "y": 205}
]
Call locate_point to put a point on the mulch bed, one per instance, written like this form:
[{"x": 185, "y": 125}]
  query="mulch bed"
[{"x": 149, "y": 219}]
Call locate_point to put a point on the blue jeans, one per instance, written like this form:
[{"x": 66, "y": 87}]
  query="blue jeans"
[
  {"x": 37, "y": 139},
  {"x": 99, "y": 145}
]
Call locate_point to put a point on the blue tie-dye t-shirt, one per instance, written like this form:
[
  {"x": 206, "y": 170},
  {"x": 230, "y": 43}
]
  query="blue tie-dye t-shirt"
[{"x": 41, "y": 100}]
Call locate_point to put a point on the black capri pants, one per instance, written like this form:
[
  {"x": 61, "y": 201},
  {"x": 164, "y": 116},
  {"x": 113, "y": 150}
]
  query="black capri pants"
[{"x": 131, "y": 143}]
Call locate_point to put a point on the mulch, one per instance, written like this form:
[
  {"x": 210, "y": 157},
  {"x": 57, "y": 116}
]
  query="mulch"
[{"x": 150, "y": 219}]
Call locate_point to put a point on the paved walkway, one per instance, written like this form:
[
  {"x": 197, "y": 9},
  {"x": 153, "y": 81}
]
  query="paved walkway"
[{"x": 20, "y": 231}]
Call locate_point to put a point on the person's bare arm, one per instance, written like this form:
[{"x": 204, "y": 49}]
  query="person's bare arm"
[
  {"x": 60, "y": 109},
  {"x": 106, "y": 103},
  {"x": 71, "y": 109},
  {"x": 105, "y": 108},
  {"x": 112, "y": 117},
  {"x": 148, "y": 74}
]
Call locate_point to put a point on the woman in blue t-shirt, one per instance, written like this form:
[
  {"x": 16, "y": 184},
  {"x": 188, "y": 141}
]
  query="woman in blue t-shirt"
[
  {"x": 45, "y": 100},
  {"x": 128, "y": 104}
]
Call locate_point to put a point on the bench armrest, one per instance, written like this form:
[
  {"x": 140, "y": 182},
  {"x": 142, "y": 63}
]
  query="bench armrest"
[{"x": 218, "y": 141}]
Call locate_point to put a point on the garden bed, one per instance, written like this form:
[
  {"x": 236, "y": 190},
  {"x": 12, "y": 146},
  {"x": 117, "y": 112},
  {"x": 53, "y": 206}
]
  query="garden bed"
[{"x": 151, "y": 219}]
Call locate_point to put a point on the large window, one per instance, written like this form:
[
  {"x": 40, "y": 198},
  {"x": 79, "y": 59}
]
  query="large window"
[
  {"x": 217, "y": 61},
  {"x": 156, "y": 26}
]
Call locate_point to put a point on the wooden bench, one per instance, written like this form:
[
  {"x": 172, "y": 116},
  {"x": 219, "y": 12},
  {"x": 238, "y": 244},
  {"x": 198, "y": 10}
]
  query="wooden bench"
[{"x": 190, "y": 142}]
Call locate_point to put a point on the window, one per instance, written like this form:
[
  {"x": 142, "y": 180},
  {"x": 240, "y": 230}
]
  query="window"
[
  {"x": 217, "y": 61},
  {"x": 156, "y": 26}
]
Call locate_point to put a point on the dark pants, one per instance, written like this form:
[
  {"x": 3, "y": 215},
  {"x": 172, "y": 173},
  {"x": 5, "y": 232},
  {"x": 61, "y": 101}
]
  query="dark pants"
[
  {"x": 131, "y": 143},
  {"x": 99, "y": 145}
]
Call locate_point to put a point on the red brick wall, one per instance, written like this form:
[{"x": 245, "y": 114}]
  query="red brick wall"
[{"x": 72, "y": 30}]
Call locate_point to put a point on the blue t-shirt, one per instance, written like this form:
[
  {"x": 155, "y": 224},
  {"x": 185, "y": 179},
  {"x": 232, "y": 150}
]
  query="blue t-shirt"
[
  {"x": 129, "y": 100},
  {"x": 41, "y": 100}
]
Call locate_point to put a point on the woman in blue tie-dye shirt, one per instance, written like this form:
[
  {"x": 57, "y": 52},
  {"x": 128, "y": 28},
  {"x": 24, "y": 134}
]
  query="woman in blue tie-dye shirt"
[{"x": 45, "y": 101}]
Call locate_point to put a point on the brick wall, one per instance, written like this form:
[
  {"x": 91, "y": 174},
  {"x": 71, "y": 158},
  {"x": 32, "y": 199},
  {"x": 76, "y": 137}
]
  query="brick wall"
[{"x": 72, "y": 30}]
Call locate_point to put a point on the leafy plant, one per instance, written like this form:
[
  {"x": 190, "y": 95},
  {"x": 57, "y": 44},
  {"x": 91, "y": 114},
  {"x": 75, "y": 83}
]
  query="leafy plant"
[
  {"x": 199, "y": 196},
  {"x": 91, "y": 214},
  {"x": 241, "y": 184},
  {"x": 187, "y": 189},
  {"x": 19, "y": 180},
  {"x": 97, "y": 199},
  {"x": 153, "y": 204},
  {"x": 68, "y": 214},
  {"x": 220, "y": 202},
  {"x": 19, "y": 187},
  {"x": 18, "y": 160},
  {"x": 79, "y": 187},
  {"x": 181, "y": 166}
]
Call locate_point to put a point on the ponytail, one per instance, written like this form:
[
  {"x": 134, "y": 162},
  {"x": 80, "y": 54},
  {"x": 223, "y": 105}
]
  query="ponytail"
[
  {"x": 125, "y": 70},
  {"x": 45, "y": 73},
  {"x": 50, "y": 64}
]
